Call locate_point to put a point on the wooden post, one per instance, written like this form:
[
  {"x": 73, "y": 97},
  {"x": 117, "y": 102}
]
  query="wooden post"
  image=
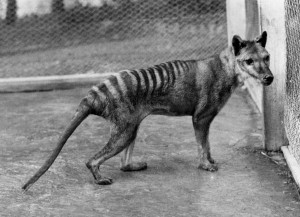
[
  {"x": 272, "y": 15},
  {"x": 236, "y": 18},
  {"x": 252, "y": 19},
  {"x": 252, "y": 31}
]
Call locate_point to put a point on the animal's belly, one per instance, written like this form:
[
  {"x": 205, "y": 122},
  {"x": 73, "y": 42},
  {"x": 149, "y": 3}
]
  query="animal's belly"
[
  {"x": 173, "y": 111},
  {"x": 174, "y": 105}
]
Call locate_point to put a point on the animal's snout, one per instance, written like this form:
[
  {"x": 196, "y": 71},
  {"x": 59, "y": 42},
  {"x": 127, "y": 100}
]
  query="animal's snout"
[{"x": 268, "y": 79}]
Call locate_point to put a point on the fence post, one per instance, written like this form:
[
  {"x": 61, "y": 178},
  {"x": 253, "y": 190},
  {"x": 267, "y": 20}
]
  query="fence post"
[
  {"x": 252, "y": 19},
  {"x": 236, "y": 18},
  {"x": 252, "y": 31},
  {"x": 272, "y": 15}
]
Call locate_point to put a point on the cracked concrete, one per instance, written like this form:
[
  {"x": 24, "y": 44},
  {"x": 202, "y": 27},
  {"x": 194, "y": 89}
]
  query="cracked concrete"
[{"x": 247, "y": 183}]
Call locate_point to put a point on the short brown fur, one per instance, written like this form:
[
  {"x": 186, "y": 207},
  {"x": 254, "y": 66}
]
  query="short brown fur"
[{"x": 198, "y": 88}]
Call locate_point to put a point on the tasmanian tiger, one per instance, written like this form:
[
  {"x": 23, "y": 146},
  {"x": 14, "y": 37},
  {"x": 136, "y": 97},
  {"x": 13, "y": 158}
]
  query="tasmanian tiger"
[{"x": 198, "y": 88}]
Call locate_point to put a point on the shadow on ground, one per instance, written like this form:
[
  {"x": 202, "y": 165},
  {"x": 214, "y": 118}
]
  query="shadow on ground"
[{"x": 247, "y": 183}]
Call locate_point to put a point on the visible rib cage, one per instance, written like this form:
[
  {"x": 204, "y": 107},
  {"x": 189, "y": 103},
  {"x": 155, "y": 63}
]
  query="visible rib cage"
[{"x": 138, "y": 86}]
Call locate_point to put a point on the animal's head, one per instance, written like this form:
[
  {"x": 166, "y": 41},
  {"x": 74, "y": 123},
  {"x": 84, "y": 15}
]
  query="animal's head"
[{"x": 252, "y": 59}]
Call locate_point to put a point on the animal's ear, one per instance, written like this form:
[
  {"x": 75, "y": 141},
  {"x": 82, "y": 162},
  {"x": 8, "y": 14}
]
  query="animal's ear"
[
  {"x": 237, "y": 44},
  {"x": 262, "y": 40}
]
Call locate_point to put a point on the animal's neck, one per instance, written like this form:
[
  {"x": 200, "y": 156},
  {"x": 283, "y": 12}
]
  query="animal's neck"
[
  {"x": 229, "y": 65},
  {"x": 235, "y": 70}
]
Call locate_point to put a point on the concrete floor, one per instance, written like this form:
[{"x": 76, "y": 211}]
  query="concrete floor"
[{"x": 247, "y": 183}]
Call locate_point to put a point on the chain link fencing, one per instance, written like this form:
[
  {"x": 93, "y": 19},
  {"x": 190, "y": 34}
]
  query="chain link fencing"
[
  {"x": 292, "y": 108},
  {"x": 93, "y": 36}
]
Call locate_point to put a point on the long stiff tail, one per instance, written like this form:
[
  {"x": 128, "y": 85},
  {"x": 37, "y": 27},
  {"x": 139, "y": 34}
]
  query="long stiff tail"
[{"x": 82, "y": 112}]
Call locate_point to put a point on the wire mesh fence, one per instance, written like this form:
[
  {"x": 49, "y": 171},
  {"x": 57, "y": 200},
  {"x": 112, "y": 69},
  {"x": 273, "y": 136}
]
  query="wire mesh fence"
[
  {"x": 292, "y": 108},
  {"x": 94, "y": 36}
]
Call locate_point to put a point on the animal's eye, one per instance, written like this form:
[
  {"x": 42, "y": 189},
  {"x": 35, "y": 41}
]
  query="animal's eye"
[{"x": 249, "y": 61}]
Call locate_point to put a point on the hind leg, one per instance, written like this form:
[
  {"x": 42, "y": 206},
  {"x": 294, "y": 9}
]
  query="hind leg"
[
  {"x": 126, "y": 161},
  {"x": 121, "y": 137}
]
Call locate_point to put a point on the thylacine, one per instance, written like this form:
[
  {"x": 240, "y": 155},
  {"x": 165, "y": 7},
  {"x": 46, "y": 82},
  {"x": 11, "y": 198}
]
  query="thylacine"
[{"x": 198, "y": 88}]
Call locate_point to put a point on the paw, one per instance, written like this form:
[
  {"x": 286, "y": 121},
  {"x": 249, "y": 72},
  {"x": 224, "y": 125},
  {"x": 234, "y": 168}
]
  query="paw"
[
  {"x": 94, "y": 170},
  {"x": 208, "y": 166},
  {"x": 212, "y": 161},
  {"x": 134, "y": 167},
  {"x": 104, "y": 181}
]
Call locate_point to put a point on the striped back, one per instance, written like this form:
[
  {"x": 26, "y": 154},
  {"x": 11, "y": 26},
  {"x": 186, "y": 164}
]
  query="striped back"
[{"x": 138, "y": 86}]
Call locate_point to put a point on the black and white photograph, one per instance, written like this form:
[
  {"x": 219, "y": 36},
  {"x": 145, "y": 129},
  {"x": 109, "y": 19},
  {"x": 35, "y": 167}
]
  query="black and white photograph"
[{"x": 150, "y": 108}]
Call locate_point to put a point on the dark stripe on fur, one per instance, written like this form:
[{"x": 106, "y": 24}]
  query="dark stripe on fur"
[
  {"x": 182, "y": 66},
  {"x": 170, "y": 66},
  {"x": 109, "y": 96},
  {"x": 130, "y": 89},
  {"x": 164, "y": 66},
  {"x": 95, "y": 110},
  {"x": 153, "y": 77},
  {"x": 162, "y": 79},
  {"x": 114, "y": 82},
  {"x": 185, "y": 65},
  {"x": 144, "y": 73},
  {"x": 176, "y": 63},
  {"x": 138, "y": 88}
]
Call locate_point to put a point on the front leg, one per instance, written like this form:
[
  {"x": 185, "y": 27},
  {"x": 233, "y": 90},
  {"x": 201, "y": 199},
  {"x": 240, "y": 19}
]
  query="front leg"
[{"x": 201, "y": 128}]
